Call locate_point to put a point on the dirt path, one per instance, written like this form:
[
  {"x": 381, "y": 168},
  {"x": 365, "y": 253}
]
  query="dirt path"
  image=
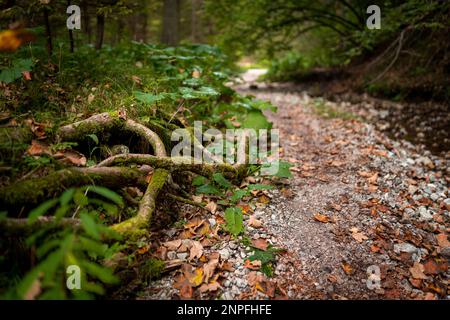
[{"x": 383, "y": 206}]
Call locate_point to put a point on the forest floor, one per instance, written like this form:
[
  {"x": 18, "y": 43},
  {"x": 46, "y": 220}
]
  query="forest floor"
[{"x": 364, "y": 217}]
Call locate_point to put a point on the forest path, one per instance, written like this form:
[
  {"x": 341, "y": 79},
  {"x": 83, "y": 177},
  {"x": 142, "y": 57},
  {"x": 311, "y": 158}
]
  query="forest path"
[{"x": 383, "y": 206}]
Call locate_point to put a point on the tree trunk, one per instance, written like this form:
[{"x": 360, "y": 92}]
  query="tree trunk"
[
  {"x": 48, "y": 33},
  {"x": 171, "y": 17},
  {"x": 196, "y": 34},
  {"x": 100, "y": 31},
  {"x": 86, "y": 21}
]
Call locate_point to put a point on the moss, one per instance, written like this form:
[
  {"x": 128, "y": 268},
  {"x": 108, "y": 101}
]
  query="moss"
[{"x": 152, "y": 269}]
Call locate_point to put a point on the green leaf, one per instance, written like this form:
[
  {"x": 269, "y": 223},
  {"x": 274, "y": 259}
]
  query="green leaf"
[
  {"x": 207, "y": 189},
  {"x": 8, "y": 75},
  {"x": 66, "y": 197},
  {"x": 238, "y": 194},
  {"x": 199, "y": 180},
  {"x": 80, "y": 198},
  {"x": 221, "y": 180},
  {"x": 90, "y": 226},
  {"x": 41, "y": 210},
  {"x": 255, "y": 120},
  {"x": 109, "y": 194},
  {"x": 281, "y": 167},
  {"x": 263, "y": 256},
  {"x": 94, "y": 138},
  {"x": 105, "y": 275},
  {"x": 259, "y": 186},
  {"x": 234, "y": 220}
]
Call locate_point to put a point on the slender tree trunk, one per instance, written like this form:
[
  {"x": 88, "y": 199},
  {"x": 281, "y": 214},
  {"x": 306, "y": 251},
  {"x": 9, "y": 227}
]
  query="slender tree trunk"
[
  {"x": 171, "y": 17},
  {"x": 86, "y": 21},
  {"x": 48, "y": 33},
  {"x": 100, "y": 31},
  {"x": 196, "y": 34}
]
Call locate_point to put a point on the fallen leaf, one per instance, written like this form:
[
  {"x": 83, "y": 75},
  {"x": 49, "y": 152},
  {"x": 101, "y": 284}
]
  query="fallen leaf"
[
  {"x": 260, "y": 243},
  {"x": 211, "y": 207},
  {"x": 38, "y": 148},
  {"x": 196, "y": 250},
  {"x": 197, "y": 199},
  {"x": 245, "y": 207},
  {"x": 263, "y": 199},
  {"x": 196, "y": 74},
  {"x": 322, "y": 218},
  {"x": 197, "y": 277},
  {"x": 442, "y": 240},
  {"x": 211, "y": 287},
  {"x": 357, "y": 235},
  {"x": 253, "y": 222},
  {"x": 172, "y": 245},
  {"x": 26, "y": 75},
  {"x": 71, "y": 157},
  {"x": 417, "y": 271},
  {"x": 143, "y": 249},
  {"x": 252, "y": 265},
  {"x": 373, "y": 179},
  {"x": 431, "y": 267},
  {"x": 347, "y": 268},
  {"x": 209, "y": 268}
]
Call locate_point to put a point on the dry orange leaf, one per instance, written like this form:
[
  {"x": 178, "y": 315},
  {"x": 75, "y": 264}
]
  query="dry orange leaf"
[
  {"x": 260, "y": 243},
  {"x": 252, "y": 265},
  {"x": 417, "y": 271},
  {"x": 263, "y": 199},
  {"x": 357, "y": 235},
  {"x": 442, "y": 240},
  {"x": 347, "y": 268},
  {"x": 253, "y": 222},
  {"x": 322, "y": 218}
]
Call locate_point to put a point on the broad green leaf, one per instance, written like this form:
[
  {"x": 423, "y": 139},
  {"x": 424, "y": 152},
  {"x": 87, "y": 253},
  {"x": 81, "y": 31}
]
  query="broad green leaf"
[
  {"x": 234, "y": 220},
  {"x": 109, "y": 194},
  {"x": 90, "y": 226},
  {"x": 199, "y": 180},
  {"x": 258, "y": 186},
  {"x": 238, "y": 194},
  {"x": 66, "y": 197},
  {"x": 255, "y": 120},
  {"x": 80, "y": 198},
  {"x": 221, "y": 180},
  {"x": 94, "y": 138},
  {"x": 207, "y": 189}
]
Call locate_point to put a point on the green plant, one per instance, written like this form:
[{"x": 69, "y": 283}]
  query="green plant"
[
  {"x": 234, "y": 221},
  {"x": 84, "y": 247}
]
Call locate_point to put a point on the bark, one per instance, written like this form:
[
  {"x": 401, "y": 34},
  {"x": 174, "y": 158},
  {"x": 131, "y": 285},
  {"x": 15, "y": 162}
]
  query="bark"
[
  {"x": 100, "y": 31},
  {"x": 48, "y": 33},
  {"x": 71, "y": 41},
  {"x": 171, "y": 17}
]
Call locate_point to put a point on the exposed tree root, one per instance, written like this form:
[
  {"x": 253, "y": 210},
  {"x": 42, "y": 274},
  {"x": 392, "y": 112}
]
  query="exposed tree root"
[
  {"x": 113, "y": 173},
  {"x": 146, "y": 207},
  {"x": 108, "y": 122},
  {"x": 12, "y": 226},
  {"x": 33, "y": 191},
  {"x": 175, "y": 164}
]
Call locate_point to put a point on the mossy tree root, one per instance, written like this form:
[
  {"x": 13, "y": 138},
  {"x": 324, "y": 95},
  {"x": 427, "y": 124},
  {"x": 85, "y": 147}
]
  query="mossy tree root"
[
  {"x": 142, "y": 219},
  {"x": 108, "y": 122},
  {"x": 175, "y": 164},
  {"x": 32, "y": 192}
]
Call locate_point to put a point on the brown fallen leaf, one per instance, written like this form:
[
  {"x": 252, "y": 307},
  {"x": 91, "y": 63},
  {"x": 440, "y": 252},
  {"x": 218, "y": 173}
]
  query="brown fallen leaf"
[
  {"x": 442, "y": 240},
  {"x": 196, "y": 250},
  {"x": 260, "y": 243},
  {"x": 431, "y": 267},
  {"x": 322, "y": 218},
  {"x": 373, "y": 178},
  {"x": 211, "y": 287},
  {"x": 211, "y": 207},
  {"x": 264, "y": 199},
  {"x": 417, "y": 271},
  {"x": 245, "y": 207},
  {"x": 357, "y": 235},
  {"x": 252, "y": 265},
  {"x": 172, "y": 245},
  {"x": 209, "y": 268},
  {"x": 347, "y": 268},
  {"x": 38, "y": 148},
  {"x": 253, "y": 222},
  {"x": 71, "y": 157}
]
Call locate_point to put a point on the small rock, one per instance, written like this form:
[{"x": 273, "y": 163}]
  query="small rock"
[
  {"x": 182, "y": 255},
  {"x": 434, "y": 197},
  {"x": 224, "y": 254},
  {"x": 171, "y": 255},
  {"x": 212, "y": 222},
  {"x": 232, "y": 245},
  {"x": 404, "y": 247},
  {"x": 412, "y": 189},
  {"x": 424, "y": 214}
]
